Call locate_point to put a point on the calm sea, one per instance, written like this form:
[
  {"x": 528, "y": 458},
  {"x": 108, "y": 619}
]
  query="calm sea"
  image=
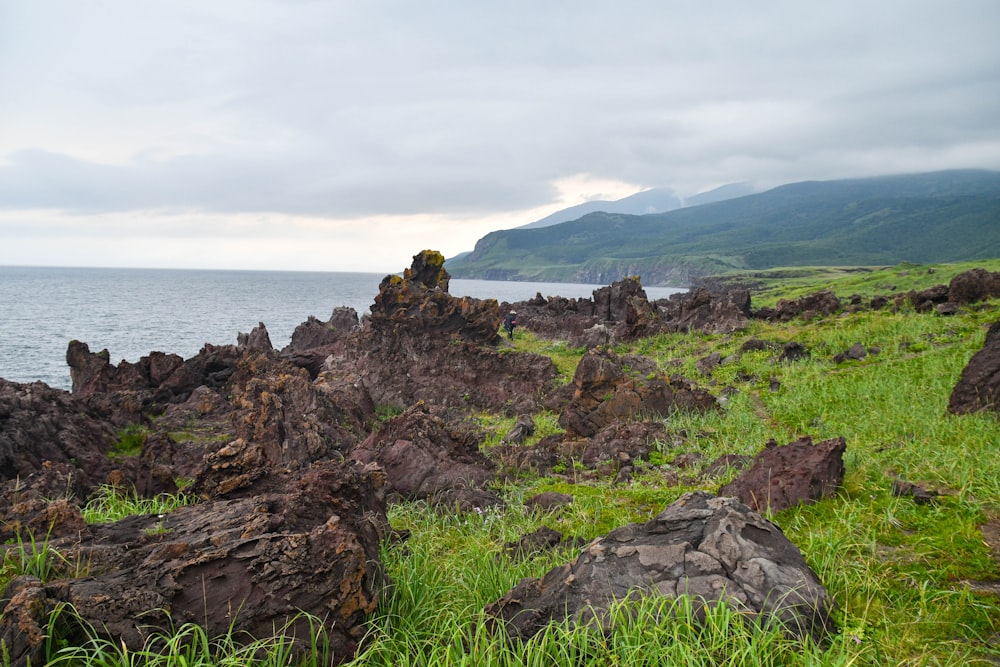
[{"x": 132, "y": 312}]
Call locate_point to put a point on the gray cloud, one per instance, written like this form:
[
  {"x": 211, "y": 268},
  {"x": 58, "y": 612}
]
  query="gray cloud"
[{"x": 397, "y": 108}]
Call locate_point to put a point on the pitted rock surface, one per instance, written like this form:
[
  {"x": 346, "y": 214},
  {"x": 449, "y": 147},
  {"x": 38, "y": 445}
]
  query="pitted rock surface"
[{"x": 712, "y": 549}]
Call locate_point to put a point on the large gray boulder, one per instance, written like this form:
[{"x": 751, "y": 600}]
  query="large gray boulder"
[{"x": 710, "y": 548}]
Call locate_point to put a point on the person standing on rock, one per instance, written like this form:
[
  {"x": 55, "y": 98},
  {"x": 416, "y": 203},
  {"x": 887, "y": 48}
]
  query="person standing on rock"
[{"x": 509, "y": 323}]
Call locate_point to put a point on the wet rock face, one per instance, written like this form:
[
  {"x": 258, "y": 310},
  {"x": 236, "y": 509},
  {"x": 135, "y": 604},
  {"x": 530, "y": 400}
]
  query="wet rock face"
[
  {"x": 609, "y": 387},
  {"x": 310, "y": 545},
  {"x": 979, "y": 386},
  {"x": 782, "y": 477},
  {"x": 713, "y": 549}
]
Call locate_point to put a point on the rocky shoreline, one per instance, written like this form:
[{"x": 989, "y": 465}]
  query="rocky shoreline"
[{"x": 294, "y": 460}]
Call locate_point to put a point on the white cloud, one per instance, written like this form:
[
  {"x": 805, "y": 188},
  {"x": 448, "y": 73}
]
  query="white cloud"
[{"x": 367, "y": 125}]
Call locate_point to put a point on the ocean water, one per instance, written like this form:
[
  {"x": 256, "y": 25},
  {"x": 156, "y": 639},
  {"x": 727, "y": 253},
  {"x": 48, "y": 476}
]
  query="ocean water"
[{"x": 132, "y": 312}]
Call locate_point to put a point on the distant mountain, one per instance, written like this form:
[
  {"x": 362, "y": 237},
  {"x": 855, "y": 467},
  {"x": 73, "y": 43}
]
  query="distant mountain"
[
  {"x": 730, "y": 191},
  {"x": 656, "y": 200},
  {"x": 922, "y": 218}
]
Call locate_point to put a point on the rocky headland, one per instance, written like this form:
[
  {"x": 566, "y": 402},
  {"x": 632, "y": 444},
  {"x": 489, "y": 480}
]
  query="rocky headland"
[{"x": 295, "y": 453}]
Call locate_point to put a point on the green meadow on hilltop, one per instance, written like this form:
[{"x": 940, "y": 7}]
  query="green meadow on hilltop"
[{"x": 914, "y": 583}]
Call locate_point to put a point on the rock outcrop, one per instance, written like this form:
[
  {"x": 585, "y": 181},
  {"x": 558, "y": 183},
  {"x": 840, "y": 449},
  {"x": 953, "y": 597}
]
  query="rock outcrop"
[
  {"x": 708, "y": 311},
  {"x": 42, "y": 428},
  {"x": 425, "y": 456},
  {"x": 609, "y": 387},
  {"x": 282, "y": 421},
  {"x": 128, "y": 392},
  {"x": 818, "y": 304},
  {"x": 711, "y": 549},
  {"x": 256, "y": 564},
  {"x": 979, "y": 386},
  {"x": 422, "y": 344},
  {"x": 313, "y": 341}
]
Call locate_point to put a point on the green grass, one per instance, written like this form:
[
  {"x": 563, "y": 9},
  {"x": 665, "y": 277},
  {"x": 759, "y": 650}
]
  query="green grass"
[
  {"x": 111, "y": 503},
  {"x": 32, "y": 557},
  {"x": 898, "y": 571},
  {"x": 188, "y": 646},
  {"x": 866, "y": 281},
  {"x": 130, "y": 441}
]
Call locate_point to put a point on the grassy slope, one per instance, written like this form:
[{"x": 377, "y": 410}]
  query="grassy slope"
[{"x": 898, "y": 570}]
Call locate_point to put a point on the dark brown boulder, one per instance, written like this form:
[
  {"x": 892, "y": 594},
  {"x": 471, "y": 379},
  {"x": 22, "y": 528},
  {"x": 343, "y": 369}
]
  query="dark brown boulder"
[
  {"x": 255, "y": 564},
  {"x": 973, "y": 286},
  {"x": 818, "y": 304},
  {"x": 258, "y": 340},
  {"x": 711, "y": 549},
  {"x": 782, "y": 477},
  {"x": 423, "y": 455},
  {"x": 548, "y": 501},
  {"x": 622, "y": 442},
  {"x": 399, "y": 370},
  {"x": 90, "y": 372},
  {"x": 539, "y": 541},
  {"x": 924, "y": 301},
  {"x": 609, "y": 387},
  {"x": 614, "y": 447},
  {"x": 552, "y": 452},
  {"x": 523, "y": 429},
  {"x": 979, "y": 386},
  {"x": 625, "y": 305}
]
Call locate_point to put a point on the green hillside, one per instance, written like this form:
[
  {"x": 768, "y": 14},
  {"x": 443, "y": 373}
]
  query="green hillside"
[{"x": 924, "y": 218}]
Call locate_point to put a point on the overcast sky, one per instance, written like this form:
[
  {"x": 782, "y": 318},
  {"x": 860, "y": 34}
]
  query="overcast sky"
[{"x": 348, "y": 136}]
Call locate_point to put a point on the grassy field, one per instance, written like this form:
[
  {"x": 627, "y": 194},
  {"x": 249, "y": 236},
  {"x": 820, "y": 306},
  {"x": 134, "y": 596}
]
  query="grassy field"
[
  {"x": 907, "y": 578},
  {"x": 791, "y": 283}
]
